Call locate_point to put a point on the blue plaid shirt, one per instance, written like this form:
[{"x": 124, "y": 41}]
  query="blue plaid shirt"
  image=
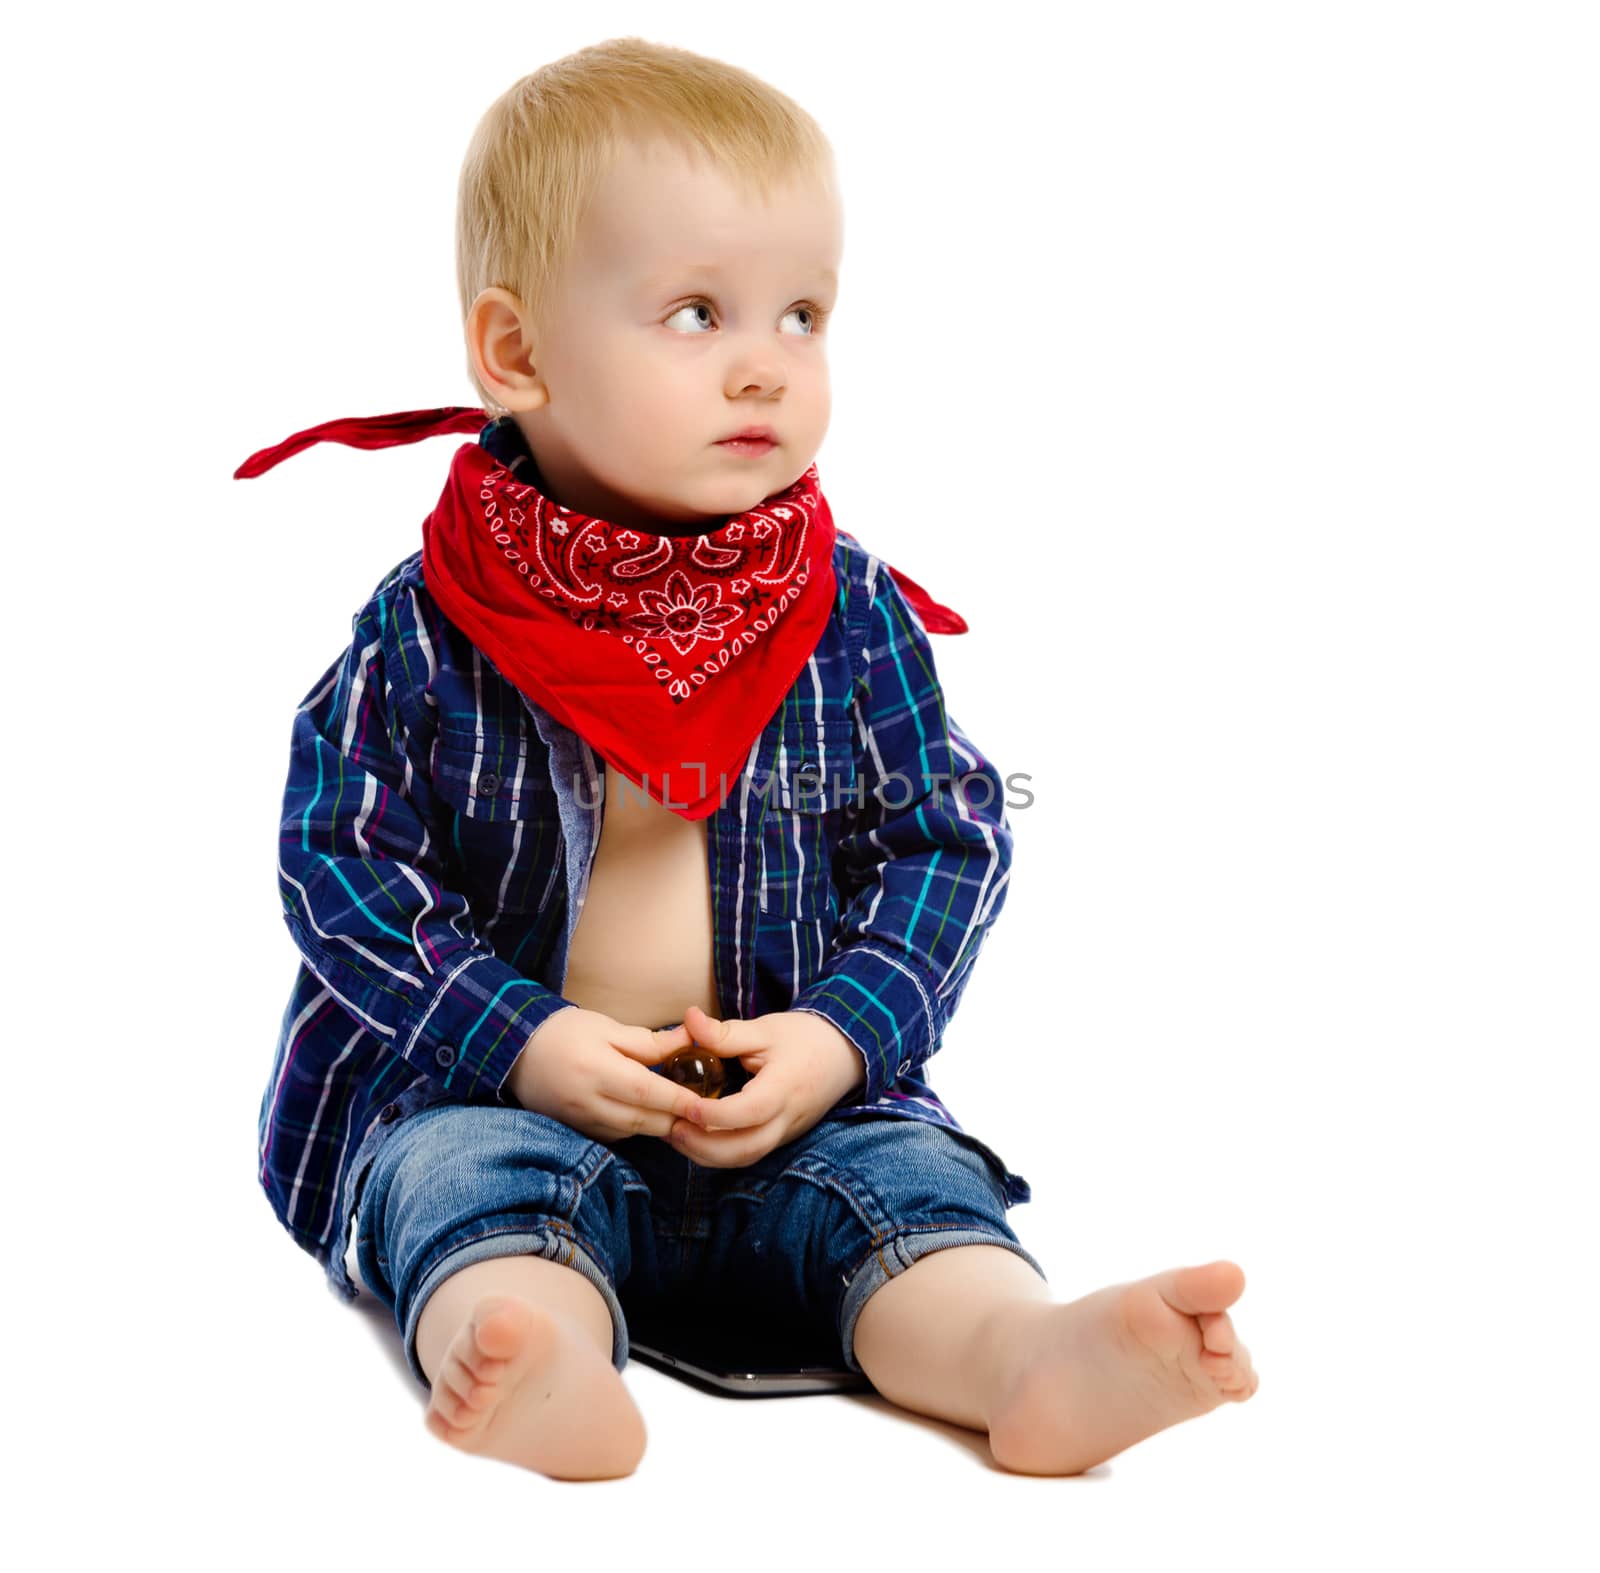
[{"x": 433, "y": 855}]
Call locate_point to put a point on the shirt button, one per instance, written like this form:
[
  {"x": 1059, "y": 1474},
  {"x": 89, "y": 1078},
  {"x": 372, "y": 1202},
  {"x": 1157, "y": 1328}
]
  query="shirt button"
[
  {"x": 905, "y": 1065},
  {"x": 389, "y": 1113},
  {"x": 444, "y": 1055},
  {"x": 488, "y": 784}
]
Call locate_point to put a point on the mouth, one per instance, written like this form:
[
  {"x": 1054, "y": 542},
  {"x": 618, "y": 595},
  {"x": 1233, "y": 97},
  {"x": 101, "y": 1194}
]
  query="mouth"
[{"x": 750, "y": 437}]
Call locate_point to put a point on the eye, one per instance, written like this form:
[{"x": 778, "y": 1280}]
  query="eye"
[
  {"x": 817, "y": 315},
  {"x": 693, "y": 305}
]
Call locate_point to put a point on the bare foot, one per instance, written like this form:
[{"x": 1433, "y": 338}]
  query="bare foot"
[
  {"x": 1083, "y": 1381},
  {"x": 521, "y": 1384}
]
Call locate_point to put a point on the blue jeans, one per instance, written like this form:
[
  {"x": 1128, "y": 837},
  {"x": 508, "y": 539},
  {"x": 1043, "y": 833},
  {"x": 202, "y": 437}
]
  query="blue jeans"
[{"x": 798, "y": 1239}]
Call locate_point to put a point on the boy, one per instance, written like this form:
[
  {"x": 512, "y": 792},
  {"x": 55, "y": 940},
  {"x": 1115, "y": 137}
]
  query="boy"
[{"x": 639, "y": 737}]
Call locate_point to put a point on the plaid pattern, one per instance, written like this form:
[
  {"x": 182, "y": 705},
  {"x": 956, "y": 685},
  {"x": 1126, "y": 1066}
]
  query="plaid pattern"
[{"x": 437, "y": 833}]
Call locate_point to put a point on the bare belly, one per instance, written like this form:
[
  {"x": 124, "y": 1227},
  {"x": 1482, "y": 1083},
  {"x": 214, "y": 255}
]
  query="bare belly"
[{"x": 641, "y": 949}]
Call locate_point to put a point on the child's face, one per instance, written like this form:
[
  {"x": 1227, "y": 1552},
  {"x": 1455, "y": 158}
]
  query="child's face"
[{"x": 686, "y": 315}]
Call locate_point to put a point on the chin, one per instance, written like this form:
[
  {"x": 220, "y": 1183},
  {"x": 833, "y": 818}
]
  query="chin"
[{"x": 740, "y": 500}]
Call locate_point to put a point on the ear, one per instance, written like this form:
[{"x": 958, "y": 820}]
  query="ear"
[{"x": 500, "y": 346}]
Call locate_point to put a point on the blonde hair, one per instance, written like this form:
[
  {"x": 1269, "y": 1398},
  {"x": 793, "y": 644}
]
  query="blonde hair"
[{"x": 542, "y": 148}]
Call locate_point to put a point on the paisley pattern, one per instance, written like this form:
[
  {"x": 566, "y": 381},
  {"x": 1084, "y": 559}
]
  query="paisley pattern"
[{"x": 688, "y": 605}]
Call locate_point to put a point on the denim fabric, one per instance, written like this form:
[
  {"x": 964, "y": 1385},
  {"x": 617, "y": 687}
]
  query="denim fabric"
[{"x": 797, "y": 1241}]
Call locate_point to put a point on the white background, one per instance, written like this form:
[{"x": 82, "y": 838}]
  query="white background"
[{"x": 1232, "y": 369}]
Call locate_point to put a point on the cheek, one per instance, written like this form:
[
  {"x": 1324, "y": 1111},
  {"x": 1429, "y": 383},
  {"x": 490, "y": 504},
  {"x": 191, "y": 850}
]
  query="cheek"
[
  {"x": 809, "y": 376},
  {"x": 644, "y": 392},
  {"x": 823, "y": 400}
]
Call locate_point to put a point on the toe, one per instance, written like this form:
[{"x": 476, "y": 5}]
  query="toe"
[
  {"x": 449, "y": 1408},
  {"x": 1239, "y": 1389},
  {"x": 438, "y": 1425},
  {"x": 1213, "y": 1287},
  {"x": 479, "y": 1366},
  {"x": 498, "y": 1326},
  {"x": 464, "y": 1386},
  {"x": 1217, "y": 1332},
  {"x": 1232, "y": 1373}
]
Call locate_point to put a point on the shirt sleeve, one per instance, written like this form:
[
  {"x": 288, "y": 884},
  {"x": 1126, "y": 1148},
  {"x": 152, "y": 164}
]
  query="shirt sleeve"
[
  {"x": 362, "y": 880},
  {"x": 926, "y": 858}
]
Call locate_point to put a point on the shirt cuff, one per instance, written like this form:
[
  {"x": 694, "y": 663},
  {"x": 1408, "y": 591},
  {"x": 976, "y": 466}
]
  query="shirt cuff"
[
  {"x": 469, "y": 1032},
  {"x": 883, "y": 1003}
]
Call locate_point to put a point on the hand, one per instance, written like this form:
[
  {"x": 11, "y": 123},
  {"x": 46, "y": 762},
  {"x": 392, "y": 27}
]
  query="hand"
[
  {"x": 804, "y": 1065},
  {"x": 587, "y": 1070}
]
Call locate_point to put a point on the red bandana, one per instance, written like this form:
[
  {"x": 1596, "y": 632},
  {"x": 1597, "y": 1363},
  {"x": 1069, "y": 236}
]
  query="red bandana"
[{"x": 708, "y": 632}]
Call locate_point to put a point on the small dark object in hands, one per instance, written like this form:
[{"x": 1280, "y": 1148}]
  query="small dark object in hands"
[{"x": 697, "y": 1070}]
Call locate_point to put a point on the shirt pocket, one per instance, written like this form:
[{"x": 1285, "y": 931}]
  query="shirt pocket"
[
  {"x": 801, "y": 827},
  {"x": 502, "y": 838}
]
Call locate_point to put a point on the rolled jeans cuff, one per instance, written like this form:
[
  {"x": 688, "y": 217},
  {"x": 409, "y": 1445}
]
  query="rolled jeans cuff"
[{"x": 904, "y": 1249}]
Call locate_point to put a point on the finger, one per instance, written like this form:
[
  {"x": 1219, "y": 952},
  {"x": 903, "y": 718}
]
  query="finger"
[
  {"x": 723, "y": 1035},
  {"x": 722, "y": 1153},
  {"x": 646, "y": 1090},
  {"x": 651, "y": 1045},
  {"x": 751, "y": 1105},
  {"x": 632, "y": 1119},
  {"x": 724, "y": 1150}
]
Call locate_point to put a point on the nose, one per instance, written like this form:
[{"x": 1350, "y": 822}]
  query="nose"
[
  {"x": 760, "y": 383},
  {"x": 756, "y": 370}
]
